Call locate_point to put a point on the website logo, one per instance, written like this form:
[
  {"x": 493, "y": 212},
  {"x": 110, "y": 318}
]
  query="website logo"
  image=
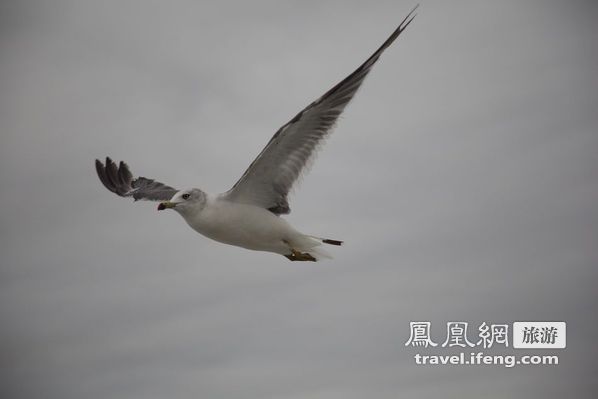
[{"x": 540, "y": 334}]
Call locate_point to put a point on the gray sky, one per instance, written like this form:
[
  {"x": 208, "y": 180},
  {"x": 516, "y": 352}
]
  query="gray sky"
[{"x": 462, "y": 178}]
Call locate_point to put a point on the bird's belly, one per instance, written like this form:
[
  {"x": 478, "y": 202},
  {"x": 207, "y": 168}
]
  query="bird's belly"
[{"x": 244, "y": 226}]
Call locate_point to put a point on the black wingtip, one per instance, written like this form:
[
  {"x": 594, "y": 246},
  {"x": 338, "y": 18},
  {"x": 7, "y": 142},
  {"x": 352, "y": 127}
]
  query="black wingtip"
[
  {"x": 407, "y": 20},
  {"x": 99, "y": 165},
  {"x": 402, "y": 26},
  {"x": 111, "y": 171},
  {"x": 332, "y": 242},
  {"x": 410, "y": 16},
  {"x": 101, "y": 171}
]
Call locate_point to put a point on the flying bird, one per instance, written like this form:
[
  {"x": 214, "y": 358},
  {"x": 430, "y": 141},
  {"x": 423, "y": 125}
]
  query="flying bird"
[{"x": 248, "y": 215}]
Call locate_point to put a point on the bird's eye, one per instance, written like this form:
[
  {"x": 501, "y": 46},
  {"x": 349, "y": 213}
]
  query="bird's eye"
[{"x": 186, "y": 196}]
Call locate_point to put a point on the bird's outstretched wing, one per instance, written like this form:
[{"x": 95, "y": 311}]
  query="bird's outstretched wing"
[
  {"x": 120, "y": 181},
  {"x": 270, "y": 177}
]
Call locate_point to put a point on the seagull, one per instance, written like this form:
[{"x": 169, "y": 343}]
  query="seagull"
[{"x": 249, "y": 214}]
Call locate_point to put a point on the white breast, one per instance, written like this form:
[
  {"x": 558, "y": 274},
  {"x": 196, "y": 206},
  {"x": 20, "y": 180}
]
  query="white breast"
[{"x": 242, "y": 225}]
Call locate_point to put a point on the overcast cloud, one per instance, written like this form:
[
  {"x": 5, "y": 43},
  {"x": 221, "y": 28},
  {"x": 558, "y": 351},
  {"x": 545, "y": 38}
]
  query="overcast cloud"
[{"x": 462, "y": 178}]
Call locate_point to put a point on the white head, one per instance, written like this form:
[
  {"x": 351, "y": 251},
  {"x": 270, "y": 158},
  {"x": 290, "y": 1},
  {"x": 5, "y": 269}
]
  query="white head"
[{"x": 185, "y": 201}]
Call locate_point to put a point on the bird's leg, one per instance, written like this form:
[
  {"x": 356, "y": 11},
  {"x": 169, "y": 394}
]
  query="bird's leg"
[
  {"x": 300, "y": 256},
  {"x": 297, "y": 255}
]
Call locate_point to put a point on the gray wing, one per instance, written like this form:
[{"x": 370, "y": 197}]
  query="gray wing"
[
  {"x": 270, "y": 177},
  {"x": 120, "y": 181}
]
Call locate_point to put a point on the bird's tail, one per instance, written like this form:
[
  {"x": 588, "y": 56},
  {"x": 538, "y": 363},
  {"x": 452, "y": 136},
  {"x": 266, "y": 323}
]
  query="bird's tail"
[
  {"x": 327, "y": 240},
  {"x": 331, "y": 242},
  {"x": 321, "y": 253}
]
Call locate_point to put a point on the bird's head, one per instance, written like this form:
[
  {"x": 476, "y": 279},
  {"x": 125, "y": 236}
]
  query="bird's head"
[{"x": 185, "y": 201}]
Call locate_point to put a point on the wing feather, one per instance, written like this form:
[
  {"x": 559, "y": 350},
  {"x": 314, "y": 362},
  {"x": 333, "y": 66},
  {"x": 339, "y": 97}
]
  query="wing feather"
[
  {"x": 120, "y": 181},
  {"x": 277, "y": 168}
]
